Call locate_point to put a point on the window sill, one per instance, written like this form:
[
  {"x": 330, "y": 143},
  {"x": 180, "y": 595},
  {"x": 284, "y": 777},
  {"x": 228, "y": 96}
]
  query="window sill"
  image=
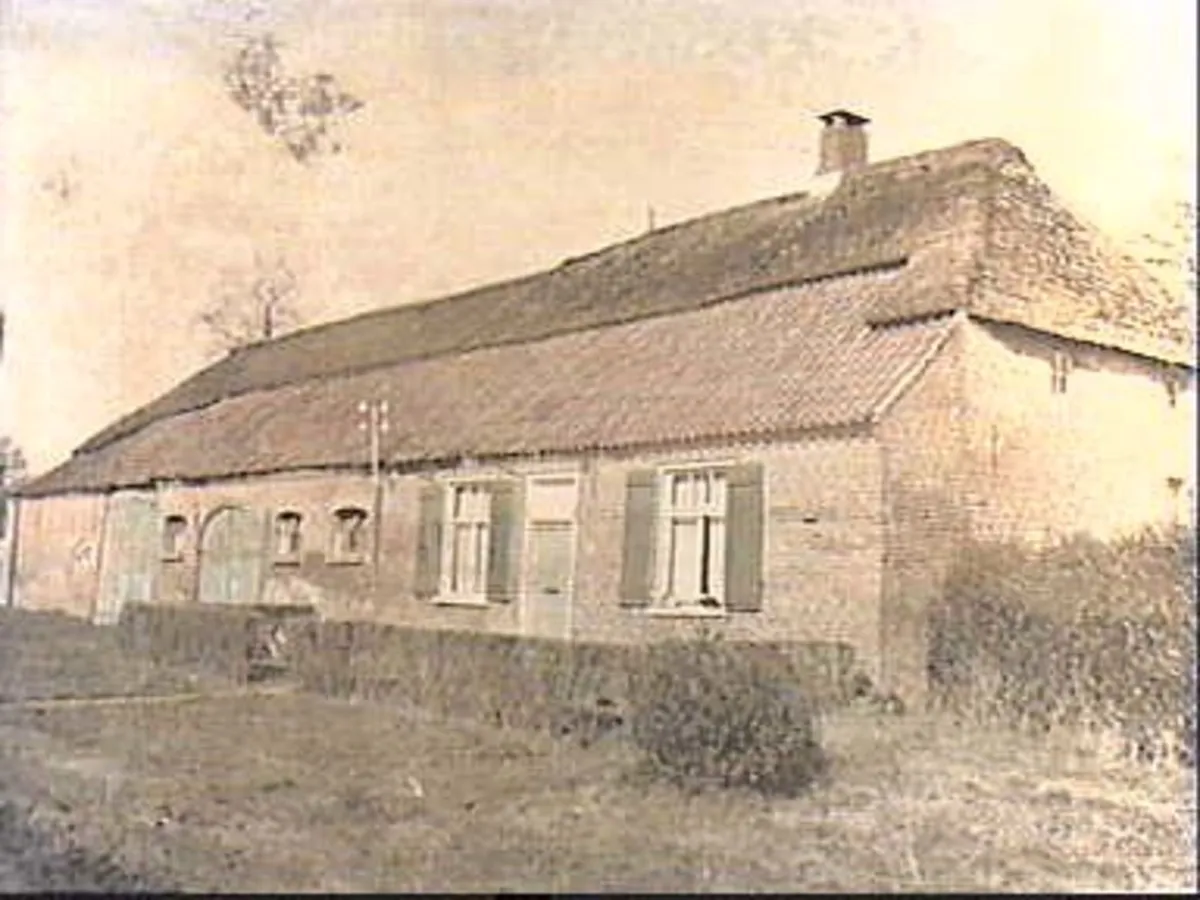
[
  {"x": 686, "y": 612},
  {"x": 468, "y": 602},
  {"x": 286, "y": 561},
  {"x": 346, "y": 561},
  {"x": 173, "y": 559}
]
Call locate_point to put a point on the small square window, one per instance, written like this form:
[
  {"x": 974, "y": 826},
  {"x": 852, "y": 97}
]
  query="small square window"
[{"x": 174, "y": 534}]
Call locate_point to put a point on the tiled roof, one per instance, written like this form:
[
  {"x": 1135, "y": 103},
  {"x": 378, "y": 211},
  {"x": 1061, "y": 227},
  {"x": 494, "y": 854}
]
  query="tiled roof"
[
  {"x": 659, "y": 338},
  {"x": 791, "y": 359}
]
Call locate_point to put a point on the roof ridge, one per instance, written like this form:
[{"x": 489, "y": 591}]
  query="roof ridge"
[{"x": 879, "y": 167}]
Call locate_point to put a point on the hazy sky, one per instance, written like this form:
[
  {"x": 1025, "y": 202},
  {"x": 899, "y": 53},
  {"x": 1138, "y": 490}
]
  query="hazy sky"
[{"x": 497, "y": 138}]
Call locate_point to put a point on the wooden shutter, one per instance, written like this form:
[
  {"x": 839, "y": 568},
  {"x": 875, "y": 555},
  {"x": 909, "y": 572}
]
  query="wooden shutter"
[
  {"x": 637, "y": 557},
  {"x": 744, "y": 538},
  {"x": 504, "y": 540},
  {"x": 428, "y": 574}
]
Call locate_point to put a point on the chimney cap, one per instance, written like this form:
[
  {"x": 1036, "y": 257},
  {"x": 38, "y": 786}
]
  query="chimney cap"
[{"x": 843, "y": 117}]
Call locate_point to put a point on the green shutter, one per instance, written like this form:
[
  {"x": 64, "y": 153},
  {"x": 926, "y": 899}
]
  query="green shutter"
[
  {"x": 504, "y": 541},
  {"x": 429, "y": 542},
  {"x": 744, "y": 539},
  {"x": 637, "y": 558}
]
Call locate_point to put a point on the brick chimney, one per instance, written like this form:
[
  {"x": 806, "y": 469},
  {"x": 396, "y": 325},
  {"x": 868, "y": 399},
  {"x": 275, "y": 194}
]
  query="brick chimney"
[{"x": 843, "y": 142}]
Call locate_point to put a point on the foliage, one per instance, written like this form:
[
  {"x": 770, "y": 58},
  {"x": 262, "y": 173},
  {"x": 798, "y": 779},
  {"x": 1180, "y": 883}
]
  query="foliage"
[
  {"x": 299, "y": 111},
  {"x": 1081, "y": 633},
  {"x": 707, "y": 714},
  {"x": 575, "y": 690},
  {"x": 254, "y": 306}
]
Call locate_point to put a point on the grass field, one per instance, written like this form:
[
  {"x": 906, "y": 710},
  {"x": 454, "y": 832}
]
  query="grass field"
[{"x": 293, "y": 792}]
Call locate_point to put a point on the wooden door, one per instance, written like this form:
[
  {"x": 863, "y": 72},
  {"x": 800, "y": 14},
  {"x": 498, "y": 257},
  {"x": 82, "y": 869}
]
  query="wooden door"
[
  {"x": 548, "y": 592},
  {"x": 232, "y": 549},
  {"x": 129, "y": 554}
]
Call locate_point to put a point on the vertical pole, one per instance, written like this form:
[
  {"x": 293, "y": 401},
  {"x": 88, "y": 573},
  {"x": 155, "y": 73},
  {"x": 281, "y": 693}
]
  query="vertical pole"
[
  {"x": 376, "y": 425},
  {"x": 377, "y": 485}
]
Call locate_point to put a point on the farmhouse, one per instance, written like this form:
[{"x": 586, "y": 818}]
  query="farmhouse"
[{"x": 778, "y": 421}]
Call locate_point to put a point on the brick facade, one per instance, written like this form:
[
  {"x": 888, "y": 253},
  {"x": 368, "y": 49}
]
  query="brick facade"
[
  {"x": 859, "y": 527},
  {"x": 1095, "y": 458}
]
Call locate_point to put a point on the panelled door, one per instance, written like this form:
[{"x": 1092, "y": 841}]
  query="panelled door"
[{"x": 551, "y": 558}]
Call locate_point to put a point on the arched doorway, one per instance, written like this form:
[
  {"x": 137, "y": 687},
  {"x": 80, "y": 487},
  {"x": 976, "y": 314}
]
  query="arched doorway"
[{"x": 232, "y": 547}]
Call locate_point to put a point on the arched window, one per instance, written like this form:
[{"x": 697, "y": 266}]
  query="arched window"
[
  {"x": 288, "y": 536},
  {"x": 349, "y": 534},
  {"x": 174, "y": 534}
]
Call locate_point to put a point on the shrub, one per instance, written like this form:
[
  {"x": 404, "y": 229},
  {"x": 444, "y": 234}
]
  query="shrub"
[
  {"x": 573, "y": 689},
  {"x": 705, "y": 713},
  {"x": 1078, "y": 633}
]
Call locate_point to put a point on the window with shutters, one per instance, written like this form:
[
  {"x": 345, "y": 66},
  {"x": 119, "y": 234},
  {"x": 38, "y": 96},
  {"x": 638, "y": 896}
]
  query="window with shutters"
[
  {"x": 692, "y": 535},
  {"x": 349, "y": 535},
  {"x": 693, "y": 540},
  {"x": 287, "y": 537},
  {"x": 465, "y": 550}
]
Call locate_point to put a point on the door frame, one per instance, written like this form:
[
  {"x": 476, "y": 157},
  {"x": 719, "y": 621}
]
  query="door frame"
[{"x": 530, "y": 526}]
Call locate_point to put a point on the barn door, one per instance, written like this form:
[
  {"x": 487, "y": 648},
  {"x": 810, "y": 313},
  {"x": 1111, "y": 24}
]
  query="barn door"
[
  {"x": 129, "y": 555},
  {"x": 232, "y": 548}
]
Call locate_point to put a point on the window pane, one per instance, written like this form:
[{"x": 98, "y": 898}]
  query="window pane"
[
  {"x": 480, "y": 567},
  {"x": 716, "y": 559},
  {"x": 678, "y": 483},
  {"x": 685, "y": 568},
  {"x": 460, "y": 566}
]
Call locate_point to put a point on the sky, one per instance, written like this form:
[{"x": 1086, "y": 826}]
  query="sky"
[{"x": 497, "y": 138}]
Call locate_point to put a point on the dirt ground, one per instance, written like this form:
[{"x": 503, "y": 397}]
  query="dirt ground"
[{"x": 293, "y": 792}]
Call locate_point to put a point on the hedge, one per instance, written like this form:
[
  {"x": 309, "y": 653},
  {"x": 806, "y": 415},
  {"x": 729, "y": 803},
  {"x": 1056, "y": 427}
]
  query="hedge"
[{"x": 504, "y": 680}]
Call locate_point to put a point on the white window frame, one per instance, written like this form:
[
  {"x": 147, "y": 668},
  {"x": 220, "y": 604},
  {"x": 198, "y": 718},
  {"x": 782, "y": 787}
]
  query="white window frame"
[
  {"x": 477, "y": 520},
  {"x": 700, "y": 511}
]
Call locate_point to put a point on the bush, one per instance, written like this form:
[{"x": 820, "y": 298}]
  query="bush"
[
  {"x": 708, "y": 714},
  {"x": 1078, "y": 633}
]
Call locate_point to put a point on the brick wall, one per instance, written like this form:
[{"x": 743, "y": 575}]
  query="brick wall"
[
  {"x": 922, "y": 445},
  {"x": 58, "y": 553},
  {"x": 341, "y": 589},
  {"x": 822, "y": 548},
  {"x": 1096, "y": 458}
]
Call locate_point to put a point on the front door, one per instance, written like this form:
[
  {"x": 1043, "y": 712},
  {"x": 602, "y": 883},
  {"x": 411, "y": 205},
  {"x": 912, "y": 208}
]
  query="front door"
[
  {"x": 552, "y": 502},
  {"x": 548, "y": 596},
  {"x": 129, "y": 554},
  {"x": 232, "y": 548}
]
